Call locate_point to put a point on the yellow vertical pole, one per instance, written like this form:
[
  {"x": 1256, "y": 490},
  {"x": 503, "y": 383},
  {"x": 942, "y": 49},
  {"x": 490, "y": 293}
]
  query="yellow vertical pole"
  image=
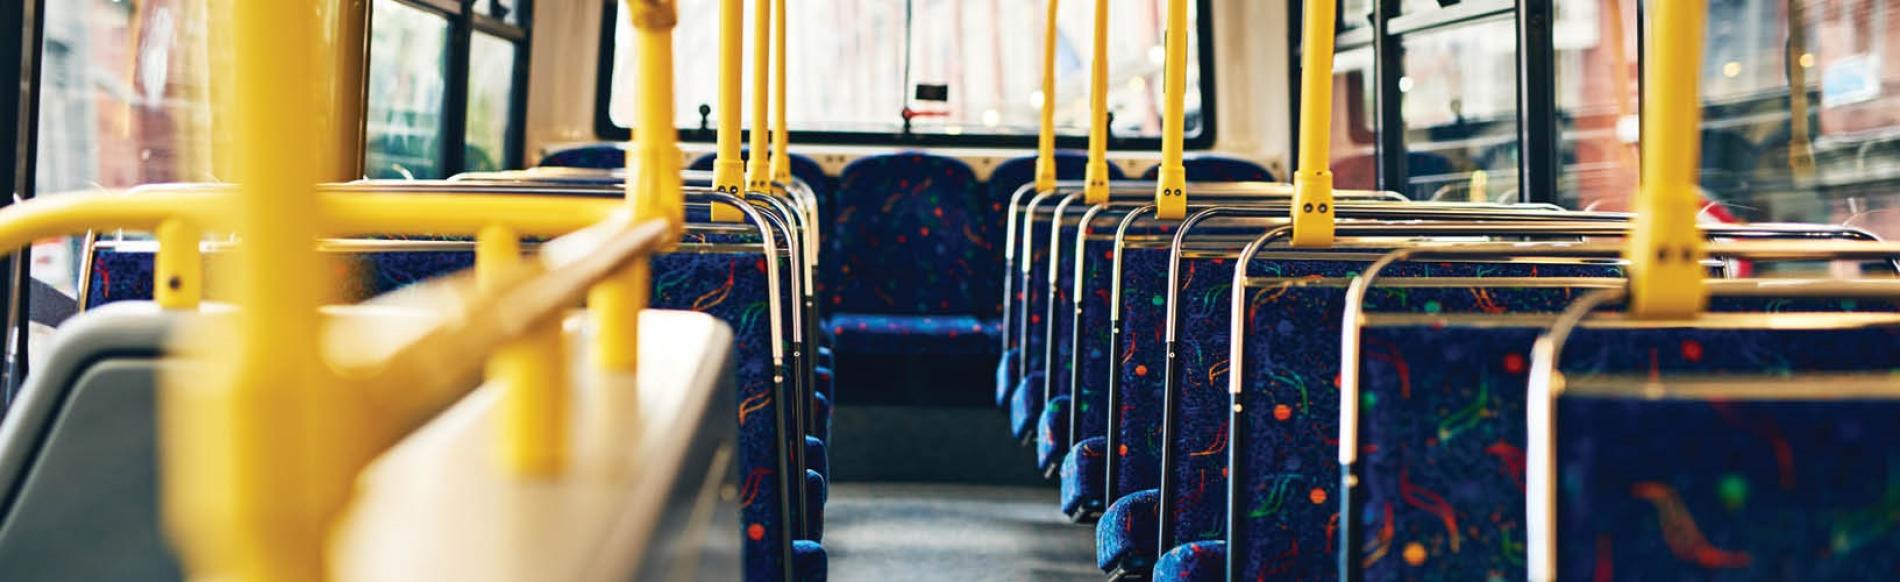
[
  {"x": 653, "y": 189},
  {"x": 781, "y": 130},
  {"x": 260, "y": 456},
  {"x": 759, "y": 173},
  {"x": 1313, "y": 182},
  {"x": 1480, "y": 182},
  {"x": 1171, "y": 182},
  {"x": 531, "y": 371},
  {"x": 1046, "y": 141},
  {"x": 728, "y": 168},
  {"x": 179, "y": 269},
  {"x": 1095, "y": 176},
  {"x": 1665, "y": 249}
]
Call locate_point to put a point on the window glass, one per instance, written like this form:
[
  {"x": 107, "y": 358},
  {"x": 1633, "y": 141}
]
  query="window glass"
[
  {"x": 1354, "y": 14},
  {"x": 984, "y": 55},
  {"x": 1827, "y": 152},
  {"x": 1597, "y": 102},
  {"x": 491, "y": 68},
  {"x": 408, "y": 73},
  {"x": 1459, "y": 93},
  {"x": 123, "y": 101},
  {"x": 1355, "y": 120}
]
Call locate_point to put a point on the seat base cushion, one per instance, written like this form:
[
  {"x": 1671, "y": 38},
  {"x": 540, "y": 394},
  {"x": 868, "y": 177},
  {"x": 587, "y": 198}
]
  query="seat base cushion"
[
  {"x": 817, "y": 459},
  {"x": 1006, "y": 371},
  {"x": 809, "y": 563},
  {"x": 1025, "y": 406},
  {"x": 1084, "y": 477},
  {"x": 816, "y": 492},
  {"x": 820, "y": 418},
  {"x": 1193, "y": 562},
  {"x": 1125, "y": 537},
  {"x": 1052, "y": 435},
  {"x": 919, "y": 335}
]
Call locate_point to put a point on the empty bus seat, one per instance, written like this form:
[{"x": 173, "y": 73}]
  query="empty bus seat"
[
  {"x": 804, "y": 168},
  {"x": 1006, "y": 182},
  {"x": 911, "y": 258},
  {"x": 1801, "y": 488},
  {"x": 1215, "y": 168}
]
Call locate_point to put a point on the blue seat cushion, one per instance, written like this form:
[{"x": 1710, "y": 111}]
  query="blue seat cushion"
[
  {"x": 1210, "y": 168},
  {"x": 1193, "y": 562},
  {"x": 809, "y": 563},
  {"x": 816, "y": 457},
  {"x": 1025, "y": 406},
  {"x": 821, "y": 417},
  {"x": 816, "y": 492},
  {"x": 1052, "y": 433},
  {"x": 1084, "y": 477},
  {"x": 915, "y": 335},
  {"x": 1005, "y": 367},
  {"x": 825, "y": 358},
  {"x": 1125, "y": 538}
]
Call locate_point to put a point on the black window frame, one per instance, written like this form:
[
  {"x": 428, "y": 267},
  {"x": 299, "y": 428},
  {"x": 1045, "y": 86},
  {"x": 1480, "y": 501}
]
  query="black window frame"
[
  {"x": 464, "y": 23},
  {"x": 1537, "y": 123},
  {"x": 606, "y": 129}
]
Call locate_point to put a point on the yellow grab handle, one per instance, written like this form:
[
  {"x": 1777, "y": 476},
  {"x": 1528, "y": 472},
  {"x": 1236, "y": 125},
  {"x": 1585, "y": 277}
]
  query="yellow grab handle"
[
  {"x": 759, "y": 172},
  {"x": 653, "y": 190},
  {"x": 178, "y": 271},
  {"x": 1046, "y": 141},
  {"x": 531, "y": 370},
  {"x": 1313, "y": 182},
  {"x": 729, "y": 168},
  {"x": 781, "y": 132},
  {"x": 1665, "y": 250},
  {"x": 260, "y": 442},
  {"x": 1171, "y": 183},
  {"x": 1095, "y": 187}
]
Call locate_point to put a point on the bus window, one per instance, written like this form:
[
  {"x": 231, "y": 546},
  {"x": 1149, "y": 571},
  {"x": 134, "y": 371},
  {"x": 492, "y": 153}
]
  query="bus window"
[
  {"x": 1460, "y": 106},
  {"x": 1355, "y": 120},
  {"x": 124, "y": 101},
  {"x": 408, "y": 74},
  {"x": 1597, "y": 102},
  {"x": 859, "y": 84},
  {"x": 491, "y": 68}
]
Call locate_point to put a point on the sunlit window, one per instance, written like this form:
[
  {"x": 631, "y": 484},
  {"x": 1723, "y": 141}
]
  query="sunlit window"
[
  {"x": 952, "y": 67},
  {"x": 408, "y": 73}
]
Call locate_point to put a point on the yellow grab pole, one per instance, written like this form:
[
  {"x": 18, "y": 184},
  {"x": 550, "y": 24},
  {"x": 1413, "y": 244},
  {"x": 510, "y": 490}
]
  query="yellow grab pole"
[
  {"x": 1171, "y": 181},
  {"x": 260, "y": 457},
  {"x": 1313, "y": 181},
  {"x": 1665, "y": 249},
  {"x": 1480, "y": 182},
  {"x": 653, "y": 190},
  {"x": 1046, "y": 141},
  {"x": 178, "y": 272},
  {"x": 781, "y": 136},
  {"x": 729, "y": 168},
  {"x": 1095, "y": 176},
  {"x": 759, "y": 173},
  {"x": 532, "y": 372}
]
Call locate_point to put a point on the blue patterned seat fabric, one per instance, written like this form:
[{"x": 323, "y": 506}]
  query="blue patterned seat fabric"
[
  {"x": 1082, "y": 477},
  {"x": 1193, "y": 562},
  {"x": 1287, "y": 487},
  {"x": 914, "y": 241},
  {"x": 1126, "y": 534},
  {"x": 1005, "y": 180},
  {"x": 1444, "y": 439},
  {"x": 1796, "y": 490},
  {"x": 1212, "y": 168},
  {"x": 1089, "y": 387}
]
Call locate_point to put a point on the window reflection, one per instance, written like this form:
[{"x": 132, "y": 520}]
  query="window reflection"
[
  {"x": 407, "y": 77},
  {"x": 1355, "y": 120},
  {"x": 504, "y": 10},
  {"x": 1459, "y": 94},
  {"x": 124, "y": 100},
  {"x": 984, "y": 52},
  {"x": 491, "y": 67},
  {"x": 1597, "y": 102}
]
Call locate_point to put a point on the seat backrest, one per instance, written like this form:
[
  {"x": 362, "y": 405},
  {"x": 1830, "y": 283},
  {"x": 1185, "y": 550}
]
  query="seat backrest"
[
  {"x": 79, "y": 459},
  {"x": 1010, "y": 175},
  {"x": 1750, "y": 487},
  {"x": 1215, "y": 168},
  {"x": 913, "y": 236},
  {"x": 735, "y": 288},
  {"x": 1289, "y": 367},
  {"x": 804, "y": 168}
]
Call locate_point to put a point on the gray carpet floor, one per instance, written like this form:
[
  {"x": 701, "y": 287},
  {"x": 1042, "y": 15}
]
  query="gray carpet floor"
[{"x": 890, "y": 531}]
